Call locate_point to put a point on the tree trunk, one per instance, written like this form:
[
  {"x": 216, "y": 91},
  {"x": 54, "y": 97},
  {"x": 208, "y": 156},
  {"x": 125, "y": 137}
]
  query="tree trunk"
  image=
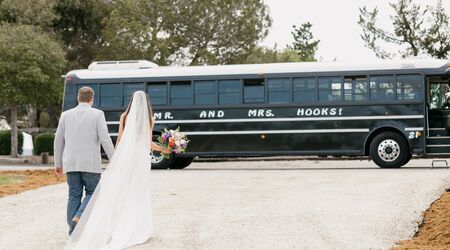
[
  {"x": 38, "y": 118},
  {"x": 14, "y": 137},
  {"x": 32, "y": 115},
  {"x": 52, "y": 113}
]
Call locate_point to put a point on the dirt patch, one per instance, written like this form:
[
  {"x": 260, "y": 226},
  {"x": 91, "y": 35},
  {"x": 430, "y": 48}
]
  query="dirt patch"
[
  {"x": 434, "y": 232},
  {"x": 19, "y": 181}
]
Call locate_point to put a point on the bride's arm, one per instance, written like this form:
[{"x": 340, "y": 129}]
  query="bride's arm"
[
  {"x": 120, "y": 130},
  {"x": 153, "y": 145},
  {"x": 156, "y": 147}
]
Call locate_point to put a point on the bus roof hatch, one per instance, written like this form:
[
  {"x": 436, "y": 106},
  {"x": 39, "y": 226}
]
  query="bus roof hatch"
[{"x": 114, "y": 65}]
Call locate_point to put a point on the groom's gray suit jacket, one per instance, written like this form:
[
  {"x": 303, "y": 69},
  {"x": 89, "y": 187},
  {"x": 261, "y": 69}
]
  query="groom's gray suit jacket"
[{"x": 80, "y": 132}]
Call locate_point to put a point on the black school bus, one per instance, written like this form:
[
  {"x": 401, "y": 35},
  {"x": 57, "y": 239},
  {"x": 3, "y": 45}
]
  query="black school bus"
[{"x": 387, "y": 110}]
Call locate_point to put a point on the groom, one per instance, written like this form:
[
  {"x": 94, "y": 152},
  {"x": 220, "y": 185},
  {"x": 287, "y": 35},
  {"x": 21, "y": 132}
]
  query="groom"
[{"x": 80, "y": 132}]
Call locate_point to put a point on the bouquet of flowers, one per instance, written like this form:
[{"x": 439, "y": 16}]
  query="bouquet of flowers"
[{"x": 174, "y": 140}]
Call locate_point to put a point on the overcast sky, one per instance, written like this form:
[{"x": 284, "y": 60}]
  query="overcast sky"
[{"x": 334, "y": 24}]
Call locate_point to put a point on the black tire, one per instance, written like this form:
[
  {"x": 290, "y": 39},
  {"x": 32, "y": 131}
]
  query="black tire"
[
  {"x": 159, "y": 162},
  {"x": 181, "y": 162},
  {"x": 407, "y": 159},
  {"x": 389, "y": 150}
]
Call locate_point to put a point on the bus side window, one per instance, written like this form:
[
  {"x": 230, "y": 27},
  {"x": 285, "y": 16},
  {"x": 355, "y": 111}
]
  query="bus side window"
[
  {"x": 205, "y": 92},
  {"x": 355, "y": 89},
  {"x": 111, "y": 95},
  {"x": 254, "y": 91},
  {"x": 408, "y": 87},
  {"x": 381, "y": 88},
  {"x": 181, "y": 93},
  {"x": 157, "y": 91},
  {"x": 129, "y": 89},
  {"x": 279, "y": 90},
  {"x": 304, "y": 89},
  {"x": 330, "y": 89},
  {"x": 229, "y": 91}
]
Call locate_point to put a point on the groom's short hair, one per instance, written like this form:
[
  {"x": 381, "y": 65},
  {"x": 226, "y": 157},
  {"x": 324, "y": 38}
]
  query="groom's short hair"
[{"x": 85, "y": 94}]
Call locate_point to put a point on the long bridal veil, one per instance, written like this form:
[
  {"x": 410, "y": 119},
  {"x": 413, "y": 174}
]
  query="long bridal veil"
[{"x": 119, "y": 212}]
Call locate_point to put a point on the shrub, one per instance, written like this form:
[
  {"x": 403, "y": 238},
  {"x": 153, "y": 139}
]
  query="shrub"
[
  {"x": 5, "y": 142},
  {"x": 43, "y": 143}
]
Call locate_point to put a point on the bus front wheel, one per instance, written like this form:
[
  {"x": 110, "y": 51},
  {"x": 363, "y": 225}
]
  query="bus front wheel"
[{"x": 389, "y": 150}]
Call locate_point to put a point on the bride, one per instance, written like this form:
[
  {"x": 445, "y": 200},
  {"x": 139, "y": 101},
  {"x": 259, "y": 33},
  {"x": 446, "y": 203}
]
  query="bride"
[{"x": 119, "y": 212}]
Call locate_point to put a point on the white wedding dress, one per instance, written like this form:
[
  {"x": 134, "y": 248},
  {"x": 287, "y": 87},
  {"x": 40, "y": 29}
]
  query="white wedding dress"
[{"x": 119, "y": 212}]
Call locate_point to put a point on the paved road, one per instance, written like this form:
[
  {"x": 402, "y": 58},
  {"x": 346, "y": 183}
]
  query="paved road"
[{"x": 258, "y": 205}]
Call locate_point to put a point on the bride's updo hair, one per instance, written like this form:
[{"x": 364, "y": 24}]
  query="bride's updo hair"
[{"x": 150, "y": 111}]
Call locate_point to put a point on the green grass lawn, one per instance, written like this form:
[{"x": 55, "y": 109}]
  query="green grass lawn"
[{"x": 6, "y": 179}]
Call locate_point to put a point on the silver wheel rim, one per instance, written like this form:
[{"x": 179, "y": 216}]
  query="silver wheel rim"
[
  {"x": 157, "y": 158},
  {"x": 388, "y": 150}
]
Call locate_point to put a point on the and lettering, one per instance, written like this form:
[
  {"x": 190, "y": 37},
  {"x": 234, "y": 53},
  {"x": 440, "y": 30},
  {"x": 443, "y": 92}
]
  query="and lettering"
[{"x": 212, "y": 114}]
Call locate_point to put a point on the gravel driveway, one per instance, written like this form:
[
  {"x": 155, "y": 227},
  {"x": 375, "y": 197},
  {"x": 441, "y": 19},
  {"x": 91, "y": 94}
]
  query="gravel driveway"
[{"x": 258, "y": 205}]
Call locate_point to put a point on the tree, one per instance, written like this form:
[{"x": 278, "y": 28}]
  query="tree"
[
  {"x": 42, "y": 14},
  {"x": 183, "y": 31},
  {"x": 31, "y": 64},
  {"x": 304, "y": 43},
  {"x": 268, "y": 55},
  {"x": 79, "y": 26},
  {"x": 31, "y": 12},
  {"x": 416, "y": 30}
]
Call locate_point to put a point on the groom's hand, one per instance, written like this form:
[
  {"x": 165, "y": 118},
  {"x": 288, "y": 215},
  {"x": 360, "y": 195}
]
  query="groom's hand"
[{"x": 59, "y": 171}]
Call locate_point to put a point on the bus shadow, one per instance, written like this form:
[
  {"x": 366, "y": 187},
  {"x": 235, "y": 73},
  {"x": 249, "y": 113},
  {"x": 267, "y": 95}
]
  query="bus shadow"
[{"x": 315, "y": 168}]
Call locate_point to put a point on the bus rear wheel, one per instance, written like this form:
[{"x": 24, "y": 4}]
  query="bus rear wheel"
[{"x": 389, "y": 150}]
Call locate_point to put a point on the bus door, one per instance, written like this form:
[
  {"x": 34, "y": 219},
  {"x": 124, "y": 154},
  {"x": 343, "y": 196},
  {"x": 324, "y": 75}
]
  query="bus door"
[{"x": 438, "y": 109}]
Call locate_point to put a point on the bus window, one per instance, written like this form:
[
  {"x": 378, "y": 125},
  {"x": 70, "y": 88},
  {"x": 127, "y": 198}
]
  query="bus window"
[
  {"x": 355, "y": 89},
  {"x": 279, "y": 90},
  {"x": 408, "y": 87},
  {"x": 304, "y": 89},
  {"x": 129, "y": 89},
  {"x": 382, "y": 88},
  {"x": 70, "y": 97},
  {"x": 111, "y": 95},
  {"x": 254, "y": 91},
  {"x": 205, "y": 92},
  {"x": 181, "y": 93},
  {"x": 157, "y": 93},
  {"x": 230, "y": 92},
  {"x": 330, "y": 89}
]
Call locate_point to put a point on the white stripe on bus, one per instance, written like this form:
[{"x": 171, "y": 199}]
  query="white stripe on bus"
[
  {"x": 439, "y": 145},
  {"x": 436, "y": 128},
  {"x": 334, "y": 118},
  {"x": 250, "y": 132},
  {"x": 295, "y": 131},
  {"x": 414, "y": 129}
]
